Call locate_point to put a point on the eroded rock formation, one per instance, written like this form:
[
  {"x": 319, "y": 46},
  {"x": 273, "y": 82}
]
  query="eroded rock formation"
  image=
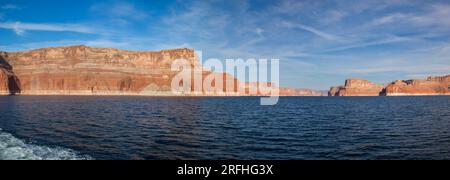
[
  {"x": 357, "y": 87},
  {"x": 334, "y": 91},
  {"x": 418, "y": 87},
  {"x": 429, "y": 86},
  {"x": 300, "y": 92},
  {"x": 82, "y": 70}
]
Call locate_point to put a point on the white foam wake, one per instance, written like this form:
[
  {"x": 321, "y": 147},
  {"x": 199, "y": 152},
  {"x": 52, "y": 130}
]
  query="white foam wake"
[{"x": 12, "y": 148}]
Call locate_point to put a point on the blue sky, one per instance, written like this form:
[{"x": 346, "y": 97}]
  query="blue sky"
[{"x": 319, "y": 43}]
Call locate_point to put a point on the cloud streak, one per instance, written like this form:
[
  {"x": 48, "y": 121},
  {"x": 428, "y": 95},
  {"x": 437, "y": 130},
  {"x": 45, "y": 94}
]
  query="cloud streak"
[
  {"x": 441, "y": 68},
  {"x": 434, "y": 16},
  {"x": 389, "y": 40},
  {"x": 315, "y": 31},
  {"x": 120, "y": 10},
  {"x": 10, "y": 7},
  {"x": 20, "y": 28}
]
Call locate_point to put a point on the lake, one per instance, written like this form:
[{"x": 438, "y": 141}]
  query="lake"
[{"x": 167, "y": 128}]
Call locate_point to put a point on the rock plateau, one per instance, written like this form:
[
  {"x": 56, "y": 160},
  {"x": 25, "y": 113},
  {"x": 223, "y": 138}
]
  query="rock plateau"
[
  {"x": 83, "y": 70},
  {"x": 429, "y": 86},
  {"x": 356, "y": 87},
  {"x": 419, "y": 87}
]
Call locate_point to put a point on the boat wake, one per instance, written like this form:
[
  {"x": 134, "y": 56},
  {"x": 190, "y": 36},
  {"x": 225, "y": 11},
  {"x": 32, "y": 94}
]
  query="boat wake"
[{"x": 12, "y": 148}]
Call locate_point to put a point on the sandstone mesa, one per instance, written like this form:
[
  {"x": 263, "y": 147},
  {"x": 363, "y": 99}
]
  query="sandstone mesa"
[
  {"x": 429, "y": 86},
  {"x": 83, "y": 70},
  {"x": 356, "y": 87},
  {"x": 416, "y": 87}
]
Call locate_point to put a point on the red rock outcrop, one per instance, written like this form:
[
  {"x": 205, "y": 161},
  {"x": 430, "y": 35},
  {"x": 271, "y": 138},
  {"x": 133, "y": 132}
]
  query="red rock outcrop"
[
  {"x": 357, "y": 87},
  {"x": 299, "y": 92},
  {"x": 82, "y": 70},
  {"x": 254, "y": 89},
  {"x": 429, "y": 86}
]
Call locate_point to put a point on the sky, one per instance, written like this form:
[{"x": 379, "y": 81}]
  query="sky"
[{"x": 319, "y": 43}]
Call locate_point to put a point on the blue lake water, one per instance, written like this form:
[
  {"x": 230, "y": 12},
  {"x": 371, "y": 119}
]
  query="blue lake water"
[{"x": 35, "y": 127}]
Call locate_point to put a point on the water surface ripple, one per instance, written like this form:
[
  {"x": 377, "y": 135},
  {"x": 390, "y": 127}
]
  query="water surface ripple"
[{"x": 232, "y": 127}]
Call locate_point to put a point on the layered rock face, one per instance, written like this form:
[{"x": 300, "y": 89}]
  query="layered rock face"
[
  {"x": 299, "y": 92},
  {"x": 357, "y": 87},
  {"x": 429, "y": 86},
  {"x": 418, "y": 87},
  {"x": 82, "y": 70},
  {"x": 252, "y": 89}
]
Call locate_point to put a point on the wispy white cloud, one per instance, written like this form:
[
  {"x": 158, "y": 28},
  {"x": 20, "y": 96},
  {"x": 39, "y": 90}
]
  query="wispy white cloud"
[
  {"x": 333, "y": 16},
  {"x": 10, "y": 7},
  {"x": 437, "y": 16},
  {"x": 315, "y": 31},
  {"x": 120, "y": 10},
  {"x": 431, "y": 68},
  {"x": 259, "y": 31},
  {"x": 433, "y": 16},
  {"x": 389, "y": 19},
  {"x": 388, "y": 40},
  {"x": 102, "y": 43},
  {"x": 106, "y": 43},
  {"x": 40, "y": 44},
  {"x": 20, "y": 28},
  {"x": 121, "y": 43},
  {"x": 290, "y": 7}
]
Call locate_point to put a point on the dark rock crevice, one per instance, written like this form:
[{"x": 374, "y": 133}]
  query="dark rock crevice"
[{"x": 11, "y": 81}]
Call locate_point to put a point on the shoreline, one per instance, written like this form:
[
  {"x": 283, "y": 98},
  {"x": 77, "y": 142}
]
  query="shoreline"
[{"x": 129, "y": 95}]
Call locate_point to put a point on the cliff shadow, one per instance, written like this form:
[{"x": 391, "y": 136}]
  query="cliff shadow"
[
  {"x": 13, "y": 80},
  {"x": 383, "y": 92},
  {"x": 14, "y": 85},
  {"x": 4, "y": 63}
]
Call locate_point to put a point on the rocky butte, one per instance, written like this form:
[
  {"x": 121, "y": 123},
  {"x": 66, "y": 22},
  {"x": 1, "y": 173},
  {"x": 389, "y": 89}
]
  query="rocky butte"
[
  {"x": 83, "y": 70},
  {"x": 415, "y": 87},
  {"x": 429, "y": 86},
  {"x": 356, "y": 87}
]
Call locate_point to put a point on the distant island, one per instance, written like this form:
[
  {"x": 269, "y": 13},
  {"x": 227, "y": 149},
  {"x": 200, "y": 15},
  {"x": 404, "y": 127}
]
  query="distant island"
[
  {"x": 83, "y": 70},
  {"x": 416, "y": 87}
]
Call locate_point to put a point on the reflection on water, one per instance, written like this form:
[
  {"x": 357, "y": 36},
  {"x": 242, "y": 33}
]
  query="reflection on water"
[{"x": 234, "y": 128}]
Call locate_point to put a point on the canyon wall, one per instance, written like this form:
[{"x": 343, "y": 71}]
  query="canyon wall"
[{"x": 82, "y": 70}]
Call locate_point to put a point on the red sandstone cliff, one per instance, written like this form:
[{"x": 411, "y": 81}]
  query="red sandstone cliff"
[
  {"x": 418, "y": 87},
  {"x": 356, "y": 87},
  {"x": 283, "y": 91},
  {"x": 300, "y": 92},
  {"x": 429, "y": 86},
  {"x": 82, "y": 70}
]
